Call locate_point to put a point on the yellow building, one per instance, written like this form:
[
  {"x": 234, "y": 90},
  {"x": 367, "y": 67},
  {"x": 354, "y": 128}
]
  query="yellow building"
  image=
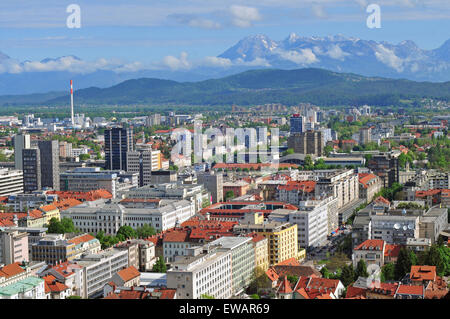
[
  {"x": 282, "y": 237},
  {"x": 261, "y": 245},
  {"x": 49, "y": 212}
]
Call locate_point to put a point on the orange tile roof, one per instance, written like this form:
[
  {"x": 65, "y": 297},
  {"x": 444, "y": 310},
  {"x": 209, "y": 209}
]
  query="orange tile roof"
[
  {"x": 353, "y": 292},
  {"x": 365, "y": 178},
  {"x": 285, "y": 286},
  {"x": 305, "y": 186},
  {"x": 48, "y": 208},
  {"x": 381, "y": 199},
  {"x": 391, "y": 250},
  {"x": 129, "y": 273},
  {"x": 11, "y": 270},
  {"x": 289, "y": 262},
  {"x": 176, "y": 236},
  {"x": 410, "y": 290},
  {"x": 81, "y": 239},
  {"x": 67, "y": 203},
  {"x": 421, "y": 273},
  {"x": 376, "y": 244}
]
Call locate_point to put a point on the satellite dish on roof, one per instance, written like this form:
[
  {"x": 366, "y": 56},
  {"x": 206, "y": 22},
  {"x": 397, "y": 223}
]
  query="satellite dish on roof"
[
  {"x": 404, "y": 211},
  {"x": 411, "y": 226},
  {"x": 397, "y": 226},
  {"x": 405, "y": 228}
]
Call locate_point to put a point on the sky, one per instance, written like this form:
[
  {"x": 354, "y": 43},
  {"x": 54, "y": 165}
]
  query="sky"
[{"x": 158, "y": 32}]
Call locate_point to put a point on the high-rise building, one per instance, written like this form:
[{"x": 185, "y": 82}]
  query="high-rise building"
[
  {"x": 31, "y": 163},
  {"x": 364, "y": 135},
  {"x": 118, "y": 142},
  {"x": 297, "y": 124},
  {"x": 49, "y": 151},
  {"x": 154, "y": 119},
  {"x": 143, "y": 162},
  {"x": 11, "y": 182},
  {"x": 21, "y": 141},
  {"x": 385, "y": 166},
  {"x": 310, "y": 142},
  {"x": 214, "y": 184}
]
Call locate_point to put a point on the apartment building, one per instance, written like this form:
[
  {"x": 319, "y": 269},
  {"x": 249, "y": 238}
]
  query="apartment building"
[
  {"x": 54, "y": 248},
  {"x": 213, "y": 182},
  {"x": 205, "y": 271},
  {"x": 432, "y": 223},
  {"x": 394, "y": 229},
  {"x": 11, "y": 182},
  {"x": 21, "y": 142},
  {"x": 342, "y": 184},
  {"x": 369, "y": 185},
  {"x": 242, "y": 260},
  {"x": 143, "y": 161},
  {"x": 13, "y": 246},
  {"x": 372, "y": 251},
  {"x": 141, "y": 253},
  {"x": 100, "y": 268},
  {"x": 282, "y": 237},
  {"x": 118, "y": 142}
]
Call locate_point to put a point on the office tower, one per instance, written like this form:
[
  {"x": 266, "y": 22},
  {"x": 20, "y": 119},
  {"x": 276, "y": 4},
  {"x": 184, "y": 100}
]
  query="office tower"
[
  {"x": 385, "y": 166},
  {"x": 143, "y": 162},
  {"x": 11, "y": 182},
  {"x": 49, "y": 152},
  {"x": 31, "y": 163},
  {"x": 214, "y": 184},
  {"x": 307, "y": 143},
  {"x": 297, "y": 124},
  {"x": 364, "y": 135},
  {"x": 118, "y": 141},
  {"x": 21, "y": 141}
]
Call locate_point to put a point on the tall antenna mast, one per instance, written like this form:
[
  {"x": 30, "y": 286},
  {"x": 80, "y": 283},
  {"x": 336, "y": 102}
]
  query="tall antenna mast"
[{"x": 71, "y": 102}]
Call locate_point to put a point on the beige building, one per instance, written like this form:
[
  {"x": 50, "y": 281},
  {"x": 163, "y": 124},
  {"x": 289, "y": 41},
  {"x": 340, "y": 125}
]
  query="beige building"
[{"x": 369, "y": 185}]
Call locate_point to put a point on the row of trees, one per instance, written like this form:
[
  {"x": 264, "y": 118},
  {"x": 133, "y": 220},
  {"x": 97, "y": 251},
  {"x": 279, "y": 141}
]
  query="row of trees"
[{"x": 124, "y": 233}]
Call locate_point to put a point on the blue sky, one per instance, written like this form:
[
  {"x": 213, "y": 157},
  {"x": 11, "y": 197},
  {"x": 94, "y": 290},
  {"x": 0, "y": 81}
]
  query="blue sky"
[{"x": 148, "y": 31}]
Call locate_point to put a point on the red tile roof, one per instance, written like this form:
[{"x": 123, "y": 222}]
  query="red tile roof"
[
  {"x": 285, "y": 286},
  {"x": 11, "y": 270},
  {"x": 353, "y": 292},
  {"x": 81, "y": 239},
  {"x": 421, "y": 273},
  {"x": 365, "y": 178},
  {"x": 392, "y": 251},
  {"x": 371, "y": 244},
  {"x": 305, "y": 186},
  {"x": 410, "y": 290},
  {"x": 128, "y": 273},
  {"x": 176, "y": 236}
]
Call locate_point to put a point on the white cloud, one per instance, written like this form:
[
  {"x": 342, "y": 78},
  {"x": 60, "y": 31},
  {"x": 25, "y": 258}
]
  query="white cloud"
[
  {"x": 303, "y": 56},
  {"x": 244, "y": 17},
  {"x": 336, "y": 52},
  {"x": 389, "y": 58},
  {"x": 255, "y": 62},
  {"x": 204, "y": 23},
  {"x": 318, "y": 11},
  {"x": 175, "y": 63},
  {"x": 216, "y": 62}
]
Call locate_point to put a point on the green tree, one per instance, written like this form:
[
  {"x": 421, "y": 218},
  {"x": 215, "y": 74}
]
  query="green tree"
[
  {"x": 229, "y": 195},
  {"x": 259, "y": 280},
  {"x": 206, "y": 296},
  {"x": 292, "y": 279},
  {"x": 347, "y": 275},
  {"x": 61, "y": 227},
  {"x": 160, "y": 266},
  {"x": 325, "y": 272},
  {"x": 308, "y": 162},
  {"x": 388, "y": 272},
  {"x": 126, "y": 232},
  {"x": 145, "y": 231},
  {"x": 361, "y": 269},
  {"x": 406, "y": 259},
  {"x": 84, "y": 157}
]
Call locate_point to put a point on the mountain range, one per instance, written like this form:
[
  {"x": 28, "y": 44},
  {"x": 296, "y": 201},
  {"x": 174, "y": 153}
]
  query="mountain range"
[
  {"x": 404, "y": 60},
  {"x": 254, "y": 87}
]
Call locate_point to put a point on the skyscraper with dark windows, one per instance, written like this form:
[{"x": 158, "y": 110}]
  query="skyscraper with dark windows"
[
  {"x": 297, "y": 124},
  {"x": 49, "y": 153},
  {"x": 118, "y": 141}
]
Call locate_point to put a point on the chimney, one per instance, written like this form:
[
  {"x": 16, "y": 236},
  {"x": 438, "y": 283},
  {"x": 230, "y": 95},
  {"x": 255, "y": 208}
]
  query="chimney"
[{"x": 71, "y": 102}]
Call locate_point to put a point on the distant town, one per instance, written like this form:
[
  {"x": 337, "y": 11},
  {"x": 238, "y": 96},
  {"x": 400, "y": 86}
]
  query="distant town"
[{"x": 264, "y": 202}]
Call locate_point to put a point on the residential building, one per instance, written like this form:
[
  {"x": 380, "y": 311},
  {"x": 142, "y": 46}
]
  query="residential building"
[
  {"x": 369, "y": 185},
  {"x": 191, "y": 275},
  {"x": 127, "y": 277},
  {"x": 261, "y": 246},
  {"x": 141, "y": 253},
  {"x": 13, "y": 246},
  {"x": 310, "y": 142},
  {"x": 143, "y": 161},
  {"x": 372, "y": 251},
  {"x": 100, "y": 268},
  {"x": 282, "y": 236},
  {"x": 163, "y": 176},
  {"x": 386, "y": 167},
  {"x": 11, "y": 182},
  {"x": 242, "y": 260},
  {"x": 394, "y": 229}
]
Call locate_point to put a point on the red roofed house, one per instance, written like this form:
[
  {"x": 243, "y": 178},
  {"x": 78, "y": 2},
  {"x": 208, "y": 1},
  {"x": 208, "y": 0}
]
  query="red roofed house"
[
  {"x": 127, "y": 277},
  {"x": 296, "y": 191},
  {"x": 372, "y": 251},
  {"x": 422, "y": 275},
  {"x": 410, "y": 292},
  {"x": 391, "y": 253},
  {"x": 369, "y": 185},
  {"x": 175, "y": 243},
  {"x": 318, "y": 288},
  {"x": 55, "y": 289}
]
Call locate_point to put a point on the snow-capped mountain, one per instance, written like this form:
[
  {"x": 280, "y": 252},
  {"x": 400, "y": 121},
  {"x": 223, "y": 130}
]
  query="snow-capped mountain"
[{"x": 347, "y": 54}]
